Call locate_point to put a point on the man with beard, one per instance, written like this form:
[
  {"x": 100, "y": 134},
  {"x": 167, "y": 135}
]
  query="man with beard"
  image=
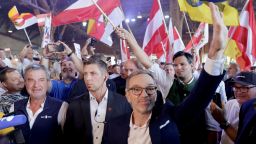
[
  {"x": 13, "y": 83},
  {"x": 60, "y": 89}
]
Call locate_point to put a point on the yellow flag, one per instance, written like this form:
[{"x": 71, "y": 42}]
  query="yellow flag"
[
  {"x": 90, "y": 25},
  {"x": 13, "y": 13},
  {"x": 232, "y": 50},
  {"x": 199, "y": 11}
]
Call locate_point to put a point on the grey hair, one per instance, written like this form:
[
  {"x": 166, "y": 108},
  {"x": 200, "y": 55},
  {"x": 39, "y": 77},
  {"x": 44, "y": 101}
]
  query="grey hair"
[
  {"x": 146, "y": 72},
  {"x": 34, "y": 67}
]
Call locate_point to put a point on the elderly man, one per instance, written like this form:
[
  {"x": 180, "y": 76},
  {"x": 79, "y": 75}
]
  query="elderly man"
[
  {"x": 45, "y": 114},
  {"x": 88, "y": 114},
  {"x": 166, "y": 123}
]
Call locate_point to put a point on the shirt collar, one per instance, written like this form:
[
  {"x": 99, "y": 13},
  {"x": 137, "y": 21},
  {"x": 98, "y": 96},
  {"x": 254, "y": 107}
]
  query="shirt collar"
[
  {"x": 192, "y": 79},
  {"x": 41, "y": 105},
  {"x": 105, "y": 97},
  {"x": 132, "y": 125}
]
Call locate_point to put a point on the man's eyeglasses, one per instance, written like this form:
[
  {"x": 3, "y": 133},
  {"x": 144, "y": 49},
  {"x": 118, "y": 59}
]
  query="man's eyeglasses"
[
  {"x": 242, "y": 89},
  {"x": 138, "y": 90}
]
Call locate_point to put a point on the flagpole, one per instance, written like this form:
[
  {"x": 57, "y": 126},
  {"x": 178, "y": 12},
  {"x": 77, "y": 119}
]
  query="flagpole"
[
  {"x": 193, "y": 45},
  {"x": 104, "y": 14},
  {"x": 27, "y": 36}
]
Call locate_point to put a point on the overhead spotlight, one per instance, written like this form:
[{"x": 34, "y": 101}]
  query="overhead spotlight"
[
  {"x": 127, "y": 20},
  {"x": 7, "y": 49},
  {"x": 10, "y": 31},
  {"x": 133, "y": 20},
  {"x": 166, "y": 16},
  {"x": 84, "y": 24},
  {"x": 148, "y": 19},
  {"x": 139, "y": 16}
]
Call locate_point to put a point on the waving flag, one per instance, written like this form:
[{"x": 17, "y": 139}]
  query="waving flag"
[
  {"x": 198, "y": 10},
  {"x": 242, "y": 44},
  {"x": 22, "y": 20},
  {"x": 101, "y": 29},
  {"x": 200, "y": 38},
  {"x": 81, "y": 10},
  {"x": 155, "y": 35}
]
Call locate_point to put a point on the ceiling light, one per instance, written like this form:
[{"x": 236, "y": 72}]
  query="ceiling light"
[
  {"x": 127, "y": 20},
  {"x": 133, "y": 20},
  {"x": 84, "y": 24},
  {"x": 10, "y": 31},
  {"x": 166, "y": 16}
]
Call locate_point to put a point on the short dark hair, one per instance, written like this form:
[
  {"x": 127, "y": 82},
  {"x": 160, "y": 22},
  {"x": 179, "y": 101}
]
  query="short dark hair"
[
  {"x": 4, "y": 71},
  {"x": 34, "y": 67},
  {"x": 115, "y": 65},
  {"x": 138, "y": 73},
  {"x": 189, "y": 57},
  {"x": 96, "y": 60}
]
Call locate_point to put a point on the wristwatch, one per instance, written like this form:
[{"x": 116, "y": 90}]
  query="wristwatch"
[{"x": 224, "y": 125}]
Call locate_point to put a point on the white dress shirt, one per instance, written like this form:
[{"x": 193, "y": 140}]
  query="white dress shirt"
[{"x": 98, "y": 115}]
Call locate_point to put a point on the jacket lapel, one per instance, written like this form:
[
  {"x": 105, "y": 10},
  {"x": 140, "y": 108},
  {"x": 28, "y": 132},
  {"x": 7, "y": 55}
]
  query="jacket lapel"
[{"x": 110, "y": 104}]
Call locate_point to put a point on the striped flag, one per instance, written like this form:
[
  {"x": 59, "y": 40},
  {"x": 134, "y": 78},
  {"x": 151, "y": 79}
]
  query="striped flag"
[
  {"x": 41, "y": 19},
  {"x": 22, "y": 20},
  {"x": 242, "y": 44},
  {"x": 156, "y": 33}
]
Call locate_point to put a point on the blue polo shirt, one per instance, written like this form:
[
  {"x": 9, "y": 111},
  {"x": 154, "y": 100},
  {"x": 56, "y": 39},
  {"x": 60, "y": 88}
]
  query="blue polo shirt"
[{"x": 60, "y": 89}]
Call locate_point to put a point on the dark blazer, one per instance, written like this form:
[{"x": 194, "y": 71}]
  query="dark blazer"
[
  {"x": 247, "y": 123},
  {"x": 170, "y": 124},
  {"x": 46, "y": 129},
  {"x": 78, "y": 127}
]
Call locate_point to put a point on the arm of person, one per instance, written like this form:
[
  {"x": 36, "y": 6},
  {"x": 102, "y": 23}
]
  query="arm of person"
[
  {"x": 23, "y": 52},
  {"x": 77, "y": 62},
  {"x": 137, "y": 50},
  {"x": 161, "y": 77}
]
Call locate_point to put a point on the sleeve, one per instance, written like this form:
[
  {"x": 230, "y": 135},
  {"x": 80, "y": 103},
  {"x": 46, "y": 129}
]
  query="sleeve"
[
  {"x": 214, "y": 67},
  {"x": 164, "y": 82}
]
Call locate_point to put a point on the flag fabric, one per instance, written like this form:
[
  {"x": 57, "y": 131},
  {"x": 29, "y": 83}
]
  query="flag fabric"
[
  {"x": 156, "y": 33},
  {"x": 78, "y": 50},
  {"x": 198, "y": 10},
  {"x": 22, "y": 20},
  {"x": 47, "y": 31},
  {"x": 200, "y": 38},
  {"x": 175, "y": 40},
  {"x": 101, "y": 28},
  {"x": 41, "y": 19},
  {"x": 242, "y": 44},
  {"x": 81, "y": 10}
]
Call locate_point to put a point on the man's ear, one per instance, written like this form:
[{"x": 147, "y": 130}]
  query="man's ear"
[{"x": 3, "y": 84}]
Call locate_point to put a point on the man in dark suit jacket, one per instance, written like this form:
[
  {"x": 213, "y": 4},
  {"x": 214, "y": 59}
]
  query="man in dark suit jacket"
[
  {"x": 162, "y": 124},
  {"x": 247, "y": 123},
  {"x": 88, "y": 114}
]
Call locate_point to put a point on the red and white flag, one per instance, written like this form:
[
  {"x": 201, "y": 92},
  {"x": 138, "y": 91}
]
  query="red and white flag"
[
  {"x": 243, "y": 38},
  {"x": 104, "y": 34},
  {"x": 200, "y": 38},
  {"x": 22, "y": 20},
  {"x": 81, "y": 10},
  {"x": 41, "y": 19},
  {"x": 155, "y": 34},
  {"x": 175, "y": 40}
]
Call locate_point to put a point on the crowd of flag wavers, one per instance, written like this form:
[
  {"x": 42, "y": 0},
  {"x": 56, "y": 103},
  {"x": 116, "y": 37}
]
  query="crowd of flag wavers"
[{"x": 68, "y": 99}]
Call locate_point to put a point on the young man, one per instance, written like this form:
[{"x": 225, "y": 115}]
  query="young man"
[{"x": 88, "y": 114}]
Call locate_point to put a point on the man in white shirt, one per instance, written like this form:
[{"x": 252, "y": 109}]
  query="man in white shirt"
[
  {"x": 88, "y": 114},
  {"x": 45, "y": 114}
]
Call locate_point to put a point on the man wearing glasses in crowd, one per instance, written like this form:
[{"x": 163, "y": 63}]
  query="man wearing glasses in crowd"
[
  {"x": 234, "y": 120},
  {"x": 161, "y": 124}
]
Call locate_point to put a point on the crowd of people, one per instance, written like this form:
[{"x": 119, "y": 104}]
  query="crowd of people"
[{"x": 137, "y": 102}]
